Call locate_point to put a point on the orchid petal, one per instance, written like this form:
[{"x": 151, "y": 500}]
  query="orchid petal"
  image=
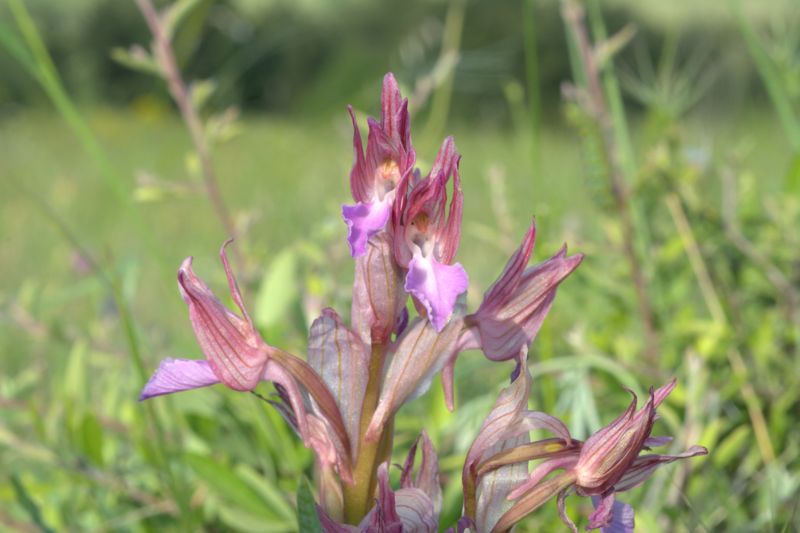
[
  {"x": 319, "y": 431},
  {"x": 515, "y": 306},
  {"x": 364, "y": 220},
  {"x": 541, "y": 471},
  {"x": 234, "y": 349},
  {"x": 176, "y": 375},
  {"x": 622, "y": 518},
  {"x": 603, "y": 512},
  {"x": 644, "y": 466},
  {"x": 436, "y": 286}
]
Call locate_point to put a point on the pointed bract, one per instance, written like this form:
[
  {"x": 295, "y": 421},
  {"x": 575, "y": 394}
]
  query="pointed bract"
[
  {"x": 339, "y": 356},
  {"x": 378, "y": 296}
]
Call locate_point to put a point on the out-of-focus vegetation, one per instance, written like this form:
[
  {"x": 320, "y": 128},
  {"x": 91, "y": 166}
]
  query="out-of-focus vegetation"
[{"x": 102, "y": 198}]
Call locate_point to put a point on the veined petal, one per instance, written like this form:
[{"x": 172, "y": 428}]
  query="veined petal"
[
  {"x": 234, "y": 349},
  {"x": 427, "y": 478},
  {"x": 342, "y": 360},
  {"x": 644, "y": 466},
  {"x": 415, "y": 511},
  {"x": 541, "y": 471},
  {"x": 378, "y": 295},
  {"x": 364, "y": 220},
  {"x": 321, "y": 430},
  {"x": 515, "y": 306},
  {"x": 493, "y": 488},
  {"x": 436, "y": 286},
  {"x": 175, "y": 375},
  {"x": 419, "y": 354}
]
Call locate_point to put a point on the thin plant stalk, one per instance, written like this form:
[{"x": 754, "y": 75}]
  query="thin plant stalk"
[
  {"x": 573, "y": 15},
  {"x": 358, "y": 497},
  {"x": 771, "y": 78},
  {"x": 451, "y": 42},
  {"x": 34, "y": 57},
  {"x": 532, "y": 79},
  {"x": 165, "y": 57}
]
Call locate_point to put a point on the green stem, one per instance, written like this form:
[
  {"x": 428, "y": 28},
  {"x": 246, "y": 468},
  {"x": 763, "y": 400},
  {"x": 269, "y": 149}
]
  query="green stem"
[
  {"x": 359, "y": 496},
  {"x": 532, "y": 78}
]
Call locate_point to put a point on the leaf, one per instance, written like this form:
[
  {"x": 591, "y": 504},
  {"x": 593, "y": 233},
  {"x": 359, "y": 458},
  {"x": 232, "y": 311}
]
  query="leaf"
[
  {"x": 28, "y": 504},
  {"x": 200, "y": 91},
  {"x": 227, "y": 485},
  {"x": 307, "y": 519},
  {"x": 136, "y": 58},
  {"x": 184, "y": 22},
  {"x": 731, "y": 446},
  {"x": 91, "y": 439},
  {"x": 793, "y": 176},
  {"x": 279, "y": 290},
  {"x": 267, "y": 490}
]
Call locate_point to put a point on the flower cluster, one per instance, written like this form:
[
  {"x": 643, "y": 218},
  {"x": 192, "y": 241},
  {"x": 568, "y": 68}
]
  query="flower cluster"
[{"x": 403, "y": 232}]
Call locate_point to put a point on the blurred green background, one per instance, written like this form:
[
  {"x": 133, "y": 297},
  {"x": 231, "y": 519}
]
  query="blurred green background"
[{"x": 102, "y": 196}]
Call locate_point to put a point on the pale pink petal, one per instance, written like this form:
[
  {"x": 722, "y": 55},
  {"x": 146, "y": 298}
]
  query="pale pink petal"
[
  {"x": 339, "y": 356},
  {"x": 175, "y": 375},
  {"x": 436, "y": 286},
  {"x": 541, "y": 471},
  {"x": 644, "y": 466},
  {"x": 378, "y": 295}
]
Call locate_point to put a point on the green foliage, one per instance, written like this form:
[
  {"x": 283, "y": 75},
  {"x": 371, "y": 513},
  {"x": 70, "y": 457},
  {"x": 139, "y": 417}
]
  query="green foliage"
[{"x": 307, "y": 519}]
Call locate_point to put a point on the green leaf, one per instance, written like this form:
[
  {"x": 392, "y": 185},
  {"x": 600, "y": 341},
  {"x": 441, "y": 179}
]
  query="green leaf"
[
  {"x": 267, "y": 490},
  {"x": 279, "y": 290},
  {"x": 184, "y": 21},
  {"x": 732, "y": 445},
  {"x": 91, "y": 437},
  {"x": 307, "y": 519},
  {"x": 136, "y": 58},
  {"x": 28, "y": 504},
  {"x": 793, "y": 176},
  {"x": 223, "y": 482}
]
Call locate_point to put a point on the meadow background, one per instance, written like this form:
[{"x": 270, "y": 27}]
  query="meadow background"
[{"x": 682, "y": 188}]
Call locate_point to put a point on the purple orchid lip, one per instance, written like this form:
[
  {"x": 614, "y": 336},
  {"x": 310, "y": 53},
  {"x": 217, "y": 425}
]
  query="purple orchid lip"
[{"x": 363, "y": 221}]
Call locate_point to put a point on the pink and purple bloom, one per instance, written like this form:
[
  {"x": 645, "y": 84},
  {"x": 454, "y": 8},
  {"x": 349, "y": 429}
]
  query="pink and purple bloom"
[
  {"x": 375, "y": 175},
  {"x": 404, "y": 231}
]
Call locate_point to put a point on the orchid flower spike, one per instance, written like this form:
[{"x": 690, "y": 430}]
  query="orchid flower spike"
[
  {"x": 427, "y": 234},
  {"x": 375, "y": 176}
]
